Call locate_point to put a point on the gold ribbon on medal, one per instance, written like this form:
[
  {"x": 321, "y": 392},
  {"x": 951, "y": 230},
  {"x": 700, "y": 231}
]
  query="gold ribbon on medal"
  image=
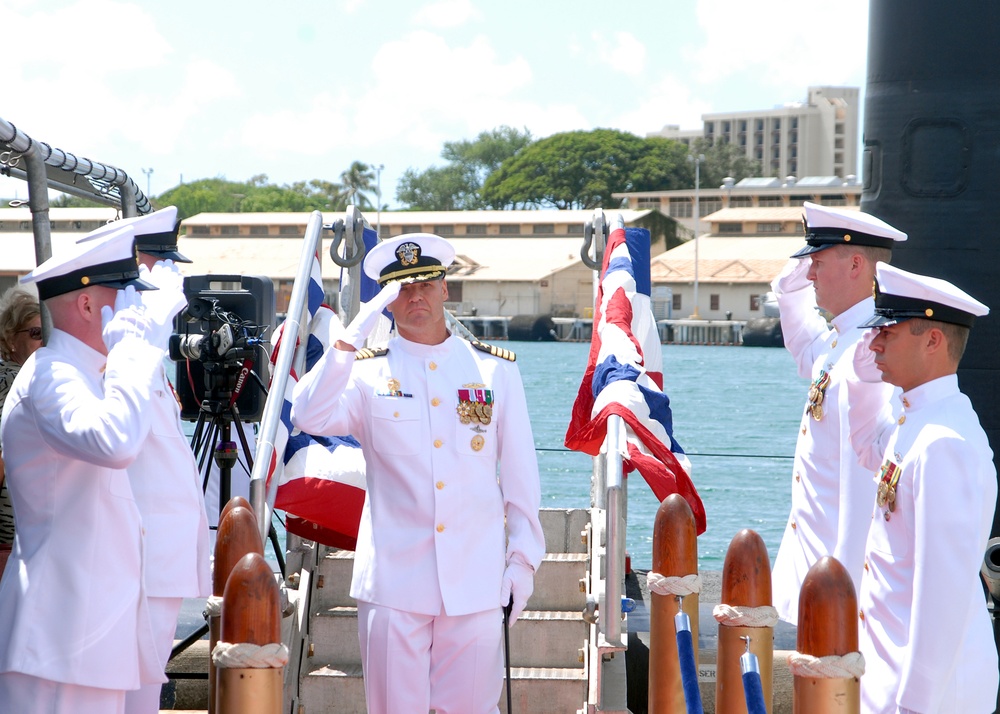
[
  {"x": 817, "y": 393},
  {"x": 475, "y": 404}
]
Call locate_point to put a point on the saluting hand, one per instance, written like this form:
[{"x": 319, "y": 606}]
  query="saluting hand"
[
  {"x": 864, "y": 359},
  {"x": 364, "y": 322},
  {"x": 161, "y": 305},
  {"x": 792, "y": 277}
]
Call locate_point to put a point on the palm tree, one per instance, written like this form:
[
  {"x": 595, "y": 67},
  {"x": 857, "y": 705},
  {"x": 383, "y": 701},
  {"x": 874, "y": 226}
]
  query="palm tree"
[{"x": 357, "y": 185}]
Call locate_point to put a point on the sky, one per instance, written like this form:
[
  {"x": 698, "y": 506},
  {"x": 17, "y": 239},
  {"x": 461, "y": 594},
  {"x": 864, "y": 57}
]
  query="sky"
[{"x": 177, "y": 91}]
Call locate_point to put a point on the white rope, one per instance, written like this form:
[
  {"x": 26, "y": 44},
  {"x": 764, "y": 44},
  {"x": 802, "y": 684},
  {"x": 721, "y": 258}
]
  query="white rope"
[
  {"x": 673, "y": 584},
  {"x": 845, "y": 666},
  {"x": 213, "y": 606},
  {"x": 740, "y": 616},
  {"x": 244, "y": 655}
]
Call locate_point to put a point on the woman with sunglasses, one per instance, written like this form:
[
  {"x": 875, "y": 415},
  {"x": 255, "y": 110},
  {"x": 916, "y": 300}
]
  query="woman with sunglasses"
[{"x": 20, "y": 335}]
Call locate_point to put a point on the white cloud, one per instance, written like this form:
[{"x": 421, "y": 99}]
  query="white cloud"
[
  {"x": 446, "y": 14},
  {"x": 787, "y": 44},
  {"x": 622, "y": 51},
  {"x": 666, "y": 101}
]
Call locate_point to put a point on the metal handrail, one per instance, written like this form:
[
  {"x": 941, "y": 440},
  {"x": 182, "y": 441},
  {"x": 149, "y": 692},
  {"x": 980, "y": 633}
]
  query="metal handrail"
[
  {"x": 105, "y": 184},
  {"x": 261, "y": 497},
  {"x": 614, "y": 450}
]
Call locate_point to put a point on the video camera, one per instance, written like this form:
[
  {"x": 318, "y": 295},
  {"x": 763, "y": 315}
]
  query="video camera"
[{"x": 219, "y": 339}]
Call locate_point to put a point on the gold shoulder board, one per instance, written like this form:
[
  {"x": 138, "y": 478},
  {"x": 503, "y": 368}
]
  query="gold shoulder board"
[
  {"x": 365, "y": 353},
  {"x": 495, "y": 351}
]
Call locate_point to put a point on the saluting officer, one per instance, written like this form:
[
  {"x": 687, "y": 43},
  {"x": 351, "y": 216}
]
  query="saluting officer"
[
  {"x": 74, "y": 626},
  {"x": 450, "y": 530},
  {"x": 925, "y": 630},
  {"x": 164, "y": 475},
  {"x": 831, "y": 492}
]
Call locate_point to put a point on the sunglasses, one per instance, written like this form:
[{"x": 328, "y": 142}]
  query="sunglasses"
[{"x": 34, "y": 333}]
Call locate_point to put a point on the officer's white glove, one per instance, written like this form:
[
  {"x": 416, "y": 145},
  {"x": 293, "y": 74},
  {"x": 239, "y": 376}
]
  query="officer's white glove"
[
  {"x": 364, "y": 322},
  {"x": 161, "y": 305},
  {"x": 519, "y": 581},
  {"x": 864, "y": 359},
  {"x": 792, "y": 277},
  {"x": 125, "y": 320}
]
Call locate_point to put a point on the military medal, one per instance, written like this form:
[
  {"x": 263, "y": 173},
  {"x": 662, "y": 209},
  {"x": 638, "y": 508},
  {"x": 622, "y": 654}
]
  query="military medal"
[
  {"x": 886, "y": 494},
  {"x": 817, "y": 392},
  {"x": 477, "y": 442},
  {"x": 475, "y": 404}
]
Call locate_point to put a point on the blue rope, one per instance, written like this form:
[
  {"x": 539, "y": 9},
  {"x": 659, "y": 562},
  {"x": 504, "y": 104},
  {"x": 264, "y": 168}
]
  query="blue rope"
[
  {"x": 689, "y": 670},
  {"x": 754, "y": 693}
]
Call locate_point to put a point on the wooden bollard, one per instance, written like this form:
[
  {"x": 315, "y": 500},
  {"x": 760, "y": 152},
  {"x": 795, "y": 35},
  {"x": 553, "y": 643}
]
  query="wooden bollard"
[
  {"x": 828, "y": 625},
  {"x": 675, "y": 553},
  {"x": 238, "y": 535},
  {"x": 250, "y": 615},
  {"x": 746, "y": 582},
  {"x": 233, "y": 503}
]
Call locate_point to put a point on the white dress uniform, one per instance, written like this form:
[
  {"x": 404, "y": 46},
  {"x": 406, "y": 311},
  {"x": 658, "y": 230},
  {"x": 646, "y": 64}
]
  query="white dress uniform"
[
  {"x": 831, "y": 492},
  {"x": 72, "y": 601},
  {"x": 432, "y": 538},
  {"x": 167, "y": 489},
  {"x": 925, "y": 631}
]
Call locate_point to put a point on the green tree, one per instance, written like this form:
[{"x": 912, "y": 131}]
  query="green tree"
[
  {"x": 357, "y": 185},
  {"x": 723, "y": 160},
  {"x": 577, "y": 169},
  {"x": 458, "y": 184}
]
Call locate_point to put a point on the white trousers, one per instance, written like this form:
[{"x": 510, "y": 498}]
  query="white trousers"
[
  {"x": 413, "y": 663},
  {"x": 163, "y": 612},
  {"x": 24, "y": 694}
]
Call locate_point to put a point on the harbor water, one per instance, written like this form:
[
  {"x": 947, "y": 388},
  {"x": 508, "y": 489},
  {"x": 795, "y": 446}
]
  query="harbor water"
[{"x": 736, "y": 413}]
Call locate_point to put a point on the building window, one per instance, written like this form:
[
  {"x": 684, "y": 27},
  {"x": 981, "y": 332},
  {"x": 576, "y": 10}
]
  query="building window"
[
  {"x": 649, "y": 201},
  {"x": 709, "y": 205},
  {"x": 291, "y": 231},
  {"x": 741, "y": 202},
  {"x": 709, "y": 128},
  {"x": 838, "y": 128},
  {"x": 510, "y": 229},
  {"x": 475, "y": 230},
  {"x": 680, "y": 208},
  {"x": 258, "y": 230},
  {"x": 759, "y": 125},
  {"x": 769, "y": 228},
  {"x": 677, "y": 301},
  {"x": 454, "y": 291},
  {"x": 713, "y": 302},
  {"x": 200, "y": 231},
  {"x": 229, "y": 230},
  {"x": 576, "y": 229},
  {"x": 412, "y": 229},
  {"x": 731, "y": 228},
  {"x": 384, "y": 231},
  {"x": 755, "y": 303},
  {"x": 543, "y": 229},
  {"x": 770, "y": 201},
  {"x": 444, "y": 230},
  {"x": 834, "y": 200},
  {"x": 777, "y": 124}
]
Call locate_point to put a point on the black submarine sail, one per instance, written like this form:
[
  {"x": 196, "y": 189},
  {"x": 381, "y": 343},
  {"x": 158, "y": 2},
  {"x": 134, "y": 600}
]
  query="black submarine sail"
[{"x": 931, "y": 161}]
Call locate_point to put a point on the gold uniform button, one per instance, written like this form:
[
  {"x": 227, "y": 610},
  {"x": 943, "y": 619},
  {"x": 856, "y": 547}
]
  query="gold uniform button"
[
  {"x": 798, "y": 477},
  {"x": 866, "y": 566},
  {"x": 861, "y": 614},
  {"x": 902, "y": 418},
  {"x": 396, "y": 414},
  {"x": 440, "y": 528},
  {"x": 834, "y": 344},
  {"x": 433, "y": 365},
  {"x": 803, "y": 430},
  {"x": 435, "y": 402},
  {"x": 440, "y": 485},
  {"x": 437, "y": 443},
  {"x": 794, "y": 526}
]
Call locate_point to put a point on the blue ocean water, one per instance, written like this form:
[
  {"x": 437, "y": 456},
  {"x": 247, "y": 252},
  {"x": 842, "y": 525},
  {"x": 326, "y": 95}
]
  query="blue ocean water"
[{"x": 736, "y": 413}]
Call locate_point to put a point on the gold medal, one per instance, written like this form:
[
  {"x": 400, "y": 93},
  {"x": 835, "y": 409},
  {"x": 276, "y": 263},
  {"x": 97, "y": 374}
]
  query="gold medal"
[
  {"x": 478, "y": 442},
  {"x": 890, "y": 498},
  {"x": 883, "y": 490},
  {"x": 464, "y": 410}
]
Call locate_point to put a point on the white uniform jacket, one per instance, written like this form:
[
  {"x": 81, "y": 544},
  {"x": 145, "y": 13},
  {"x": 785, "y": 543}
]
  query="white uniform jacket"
[
  {"x": 72, "y": 606},
  {"x": 831, "y": 492},
  {"x": 167, "y": 489},
  {"x": 925, "y": 631},
  {"x": 432, "y": 538}
]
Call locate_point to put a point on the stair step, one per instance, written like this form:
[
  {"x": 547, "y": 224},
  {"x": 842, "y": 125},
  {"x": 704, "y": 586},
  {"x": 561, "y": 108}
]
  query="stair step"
[
  {"x": 557, "y": 582},
  {"x": 534, "y": 690},
  {"x": 539, "y": 639}
]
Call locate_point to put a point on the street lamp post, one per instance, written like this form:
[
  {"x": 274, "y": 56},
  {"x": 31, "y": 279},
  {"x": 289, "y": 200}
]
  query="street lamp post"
[
  {"x": 378, "y": 198},
  {"x": 697, "y": 159},
  {"x": 148, "y": 172}
]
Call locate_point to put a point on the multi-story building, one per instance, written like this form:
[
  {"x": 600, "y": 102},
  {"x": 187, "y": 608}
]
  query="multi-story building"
[{"x": 818, "y": 137}]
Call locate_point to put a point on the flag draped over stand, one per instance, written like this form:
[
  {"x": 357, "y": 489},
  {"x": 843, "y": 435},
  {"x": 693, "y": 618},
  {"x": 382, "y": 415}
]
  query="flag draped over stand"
[
  {"x": 624, "y": 375},
  {"x": 321, "y": 479}
]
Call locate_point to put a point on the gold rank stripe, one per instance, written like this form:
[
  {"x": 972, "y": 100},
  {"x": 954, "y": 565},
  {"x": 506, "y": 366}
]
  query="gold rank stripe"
[
  {"x": 366, "y": 353},
  {"x": 500, "y": 352}
]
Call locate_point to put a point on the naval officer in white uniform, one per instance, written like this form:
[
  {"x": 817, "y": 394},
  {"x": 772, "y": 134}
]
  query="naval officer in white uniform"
[
  {"x": 831, "y": 492},
  {"x": 450, "y": 530},
  {"x": 925, "y": 631},
  {"x": 74, "y": 627},
  {"x": 164, "y": 475}
]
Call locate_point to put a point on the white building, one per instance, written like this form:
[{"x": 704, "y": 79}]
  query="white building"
[{"x": 818, "y": 137}]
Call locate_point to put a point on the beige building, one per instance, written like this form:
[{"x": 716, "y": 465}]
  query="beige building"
[
  {"x": 817, "y": 137},
  {"x": 743, "y": 251}
]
